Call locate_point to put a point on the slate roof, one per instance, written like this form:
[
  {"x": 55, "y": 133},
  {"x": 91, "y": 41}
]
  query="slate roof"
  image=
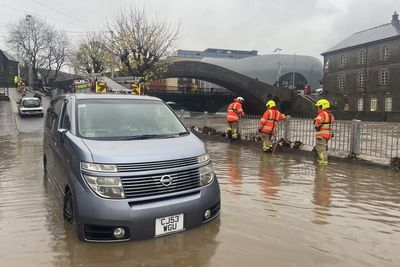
[
  {"x": 8, "y": 56},
  {"x": 385, "y": 31}
]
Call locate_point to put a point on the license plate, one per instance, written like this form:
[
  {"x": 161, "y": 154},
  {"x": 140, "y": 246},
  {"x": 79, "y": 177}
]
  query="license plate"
[{"x": 169, "y": 224}]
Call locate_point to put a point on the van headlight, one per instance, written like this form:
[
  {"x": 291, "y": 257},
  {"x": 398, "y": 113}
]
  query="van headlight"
[
  {"x": 108, "y": 187},
  {"x": 98, "y": 167},
  {"x": 206, "y": 175},
  {"x": 203, "y": 158}
]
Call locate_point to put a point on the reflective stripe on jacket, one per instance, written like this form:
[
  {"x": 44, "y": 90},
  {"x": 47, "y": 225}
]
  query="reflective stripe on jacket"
[
  {"x": 323, "y": 124},
  {"x": 234, "y": 111},
  {"x": 269, "y": 119}
]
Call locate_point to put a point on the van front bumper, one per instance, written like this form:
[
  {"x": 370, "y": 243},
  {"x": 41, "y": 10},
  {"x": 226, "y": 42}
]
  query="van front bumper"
[{"x": 97, "y": 217}]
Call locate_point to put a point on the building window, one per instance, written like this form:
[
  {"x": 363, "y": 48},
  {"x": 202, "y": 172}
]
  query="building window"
[
  {"x": 374, "y": 104},
  {"x": 384, "y": 77},
  {"x": 388, "y": 104},
  {"x": 360, "y": 104},
  {"x": 361, "y": 79},
  {"x": 362, "y": 57},
  {"x": 341, "y": 81},
  {"x": 342, "y": 61},
  {"x": 385, "y": 53}
]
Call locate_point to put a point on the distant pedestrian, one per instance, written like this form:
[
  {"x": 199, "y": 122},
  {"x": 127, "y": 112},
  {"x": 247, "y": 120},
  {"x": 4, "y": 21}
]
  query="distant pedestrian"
[
  {"x": 38, "y": 96},
  {"x": 268, "y": 124},
  {"x": 323, "y": 128},
  {"x": 234, "y": 112}
]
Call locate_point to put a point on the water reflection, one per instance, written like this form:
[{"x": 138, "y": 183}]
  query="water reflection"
[
  {"x": 321, "y": 196},
  {"x": 269, "y": 181},
  {"x": 233, "y": 164},
  {"x": 191, "y": 248}
]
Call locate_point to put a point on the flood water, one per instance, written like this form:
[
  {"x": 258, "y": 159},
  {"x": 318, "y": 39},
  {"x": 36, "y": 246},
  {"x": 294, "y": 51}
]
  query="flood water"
[{"x": 280, "y": 210}]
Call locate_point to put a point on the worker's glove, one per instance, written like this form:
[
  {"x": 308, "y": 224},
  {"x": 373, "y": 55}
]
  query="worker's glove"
[
  {"x": 259, "y": 131},
  {"x": 318, "y": 128}
]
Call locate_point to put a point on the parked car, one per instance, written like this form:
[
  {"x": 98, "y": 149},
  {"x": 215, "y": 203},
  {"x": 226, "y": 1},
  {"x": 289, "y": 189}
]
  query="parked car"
[
  {"x": 30, "y": 106},
  {"x": 125, "y": 168},
  {"x": 46, "y": 90}
]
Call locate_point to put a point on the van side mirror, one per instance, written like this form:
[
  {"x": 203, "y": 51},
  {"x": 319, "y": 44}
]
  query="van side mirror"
[{"x": 61, "y": 134}]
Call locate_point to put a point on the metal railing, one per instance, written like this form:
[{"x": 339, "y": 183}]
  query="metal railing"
[{"x": 356, "y": 138}]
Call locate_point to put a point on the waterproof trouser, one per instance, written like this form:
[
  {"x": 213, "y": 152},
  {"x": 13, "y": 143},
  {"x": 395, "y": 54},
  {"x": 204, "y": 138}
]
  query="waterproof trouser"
[
  {"x": 266, "y": 141},
  {"x": 320, "y": 146},
  {"x": 232, "y": 127}
]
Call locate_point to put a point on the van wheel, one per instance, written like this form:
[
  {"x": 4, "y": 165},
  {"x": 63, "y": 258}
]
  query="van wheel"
[{"x": 68, "y": 209}]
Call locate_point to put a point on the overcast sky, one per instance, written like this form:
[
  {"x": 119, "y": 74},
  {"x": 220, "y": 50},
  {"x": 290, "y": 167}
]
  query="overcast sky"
[{"x": 306, "y": 27}]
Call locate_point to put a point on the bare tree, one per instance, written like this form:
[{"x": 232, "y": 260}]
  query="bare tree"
[
  {"x": 55, "y": 57},
  {"x": 29, "y": 38},
  {"x": 140, "y": 41},
  {"x": 92, "y": 55},
  {"x": 37, "y": 43}
]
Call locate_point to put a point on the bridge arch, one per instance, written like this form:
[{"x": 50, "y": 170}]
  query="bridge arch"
[{"x": 255, "y": 92}]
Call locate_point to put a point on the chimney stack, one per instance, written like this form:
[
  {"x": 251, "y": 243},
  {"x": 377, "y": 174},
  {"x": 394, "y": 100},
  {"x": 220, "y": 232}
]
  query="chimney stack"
[{"x": 395, "y": 18}]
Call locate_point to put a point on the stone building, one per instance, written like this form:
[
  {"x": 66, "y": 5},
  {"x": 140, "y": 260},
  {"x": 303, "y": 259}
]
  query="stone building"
[
  {"x": 8, "y": 69},
  {"x": 362, "y": 73}
]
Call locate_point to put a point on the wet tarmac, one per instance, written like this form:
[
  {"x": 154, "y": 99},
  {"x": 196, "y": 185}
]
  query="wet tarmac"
[{"x": 279, "y": 210}]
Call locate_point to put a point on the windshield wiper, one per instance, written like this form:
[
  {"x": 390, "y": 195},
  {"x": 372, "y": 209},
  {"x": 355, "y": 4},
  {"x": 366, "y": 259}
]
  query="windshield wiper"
[
  {"x": 150, "y": 136},
  {"x": 145, "y": 136}
]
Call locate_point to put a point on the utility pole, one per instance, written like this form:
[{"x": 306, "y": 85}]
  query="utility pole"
[
  {"x": 278, "y": 50},
  {"x": 294, "y": 69},
  {"x": 28, "y": 19},
  {"x": 112, "y": 55}
]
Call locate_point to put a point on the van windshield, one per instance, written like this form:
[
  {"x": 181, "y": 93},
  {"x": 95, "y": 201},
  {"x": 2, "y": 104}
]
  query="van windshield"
[{"x": 118, "y": 119}]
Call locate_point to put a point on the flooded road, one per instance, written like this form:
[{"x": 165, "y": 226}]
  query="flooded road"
[{"x": 279, "y": 210}]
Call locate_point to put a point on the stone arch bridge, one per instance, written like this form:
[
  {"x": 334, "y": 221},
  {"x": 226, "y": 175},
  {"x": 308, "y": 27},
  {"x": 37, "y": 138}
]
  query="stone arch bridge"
[{"x": 255, "y": 92}]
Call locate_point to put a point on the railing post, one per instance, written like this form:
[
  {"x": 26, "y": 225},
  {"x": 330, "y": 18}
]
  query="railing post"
[
  {"x": 287, "y": 128},
  {"x": 355, "y": 142},
  {"x": 181, "y": 115},
  {"x": 205, "y": 122}
]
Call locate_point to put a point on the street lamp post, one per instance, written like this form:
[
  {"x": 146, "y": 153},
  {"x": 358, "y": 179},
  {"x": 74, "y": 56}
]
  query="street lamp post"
[
  {"x": 294, "y": 69},
  {"x": 28, "y": 19},
  {"x": 278, "y": 50}
]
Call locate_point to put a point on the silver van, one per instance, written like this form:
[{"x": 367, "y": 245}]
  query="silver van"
[{"x": 124, "y": 167}]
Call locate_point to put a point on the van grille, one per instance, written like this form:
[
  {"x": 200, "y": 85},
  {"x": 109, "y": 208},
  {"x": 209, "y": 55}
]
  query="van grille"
[
  {"x": 158, "y": 165},
  {"x": 150, "y": 185}
]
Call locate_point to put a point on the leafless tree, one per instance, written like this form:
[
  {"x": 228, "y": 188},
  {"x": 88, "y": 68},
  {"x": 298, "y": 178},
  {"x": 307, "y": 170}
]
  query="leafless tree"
[
  {"x": 37, "y": 43},
  {"x": 55, "y": 57},
  {"x": 141, "y": 41},
  {"x": 29, "y": 39},
  {"x": 92, "y": 55}
]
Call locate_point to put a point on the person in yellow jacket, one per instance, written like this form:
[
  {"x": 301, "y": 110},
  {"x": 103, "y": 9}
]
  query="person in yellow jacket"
[
  {"x": 323, "y": 130},
  {"x": 268, "y": 124},
  {"x": 16, "y": 80}
]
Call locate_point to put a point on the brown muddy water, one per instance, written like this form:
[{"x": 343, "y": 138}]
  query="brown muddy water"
[{"x": 279, "y": 210}]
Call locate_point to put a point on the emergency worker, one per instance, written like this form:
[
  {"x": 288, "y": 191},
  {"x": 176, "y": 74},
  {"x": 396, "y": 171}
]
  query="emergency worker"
[
  {"x": 234, "y": 112},
  {"x": 16, "y": 80},
  {"x": 323, "y": 128},
  {"x": 268, "y": 124}
]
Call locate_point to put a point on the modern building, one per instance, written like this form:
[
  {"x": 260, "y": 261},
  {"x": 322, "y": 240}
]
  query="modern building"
[
  {"x": 8, "y": 69},
  {"x": 362, "y": 72},
  {"x": 289, "y": 71},
  {"x": 215, "y": 53}
]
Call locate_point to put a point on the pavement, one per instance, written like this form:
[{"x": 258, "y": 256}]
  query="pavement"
[{"x": 15, "y": 124}]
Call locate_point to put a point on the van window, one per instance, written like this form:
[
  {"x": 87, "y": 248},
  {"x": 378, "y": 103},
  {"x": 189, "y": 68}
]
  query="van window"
[
  {"x": 65, "y": 120},
  {"x": 126, "y": 119}
]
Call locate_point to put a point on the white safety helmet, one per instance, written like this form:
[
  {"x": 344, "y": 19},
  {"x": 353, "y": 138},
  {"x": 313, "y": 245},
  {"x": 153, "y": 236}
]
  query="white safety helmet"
[{"x": 240, "y": 99}]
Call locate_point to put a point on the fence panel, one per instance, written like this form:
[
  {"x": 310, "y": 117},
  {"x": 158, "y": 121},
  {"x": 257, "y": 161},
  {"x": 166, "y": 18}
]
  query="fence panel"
[{"x": 376, "y": 139}]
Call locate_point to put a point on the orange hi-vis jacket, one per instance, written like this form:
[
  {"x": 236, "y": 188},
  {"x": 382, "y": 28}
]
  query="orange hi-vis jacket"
[
  {"x": 323, "y": 124},
  {"x": 269, "y": 119},
  {"x": 234, "y": 111}
]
